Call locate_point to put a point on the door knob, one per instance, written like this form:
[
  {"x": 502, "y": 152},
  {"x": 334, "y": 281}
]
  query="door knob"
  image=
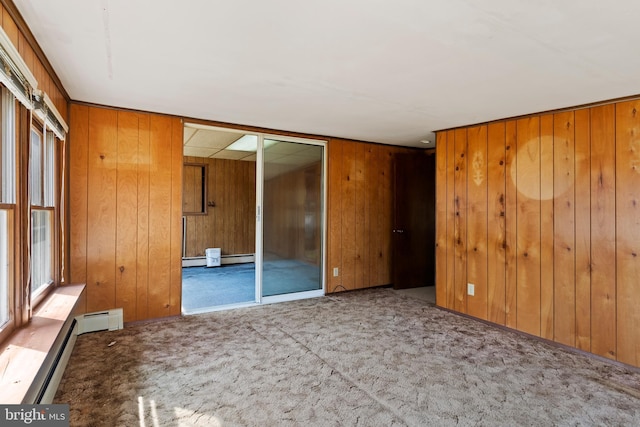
[{"x": 398, "y": 231}]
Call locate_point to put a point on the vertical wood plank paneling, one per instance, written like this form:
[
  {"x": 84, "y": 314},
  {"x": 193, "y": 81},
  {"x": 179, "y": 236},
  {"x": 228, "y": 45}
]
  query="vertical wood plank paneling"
[
  {"x": 189, "y": 194},
  {"x": 11, "y": 29},
  {"x": 222, "y": 205},
  {"x": 159, "y": 218},
  {"x": 334, "y": 211},
  {"x": 441, "y": 219},
  {"x": 142, "y": 251},
  {"x": 375, "y": 223},
  {"x": 370, "y": 225},
  {"x": 477, "y": 221},
  {"x": 249, "y": 206},
  {"x": 233, "y": 220},
  {"x": 22, "y": 47},
  {"x": 603, "y": 231},
  {"x": 78, "y": 192},
  {"x": 378, "y": 232},
  {"x": 197, "y": 226},
  {"x": 26, "y": 52},
  {"x": 198, "y": 203},
  {"x": 546, "y": 226},
  {"x": 101, "y": 219},
  {"x": 188, "y": 204},
  {"x": 232, "y": 203},
  {"x": 496, "y": 207},
  {"x": 564, "y": 223},
  {"x": 126, "y": 209},
  {"x": 236, "y": 220},
  {"x": 568, "y": 195},
  {"x": 387, "y": 213},
  {"x": 528, "y": 225},
  {"x": 451, "y": 221},
  {"x": 460, "y": 222},
  {"x": 208, "y": 232},
  {"x": 511, "y": 231},
  {"x": 238, "y": 195},
  {"x": 175, "y": 212},
  {"x": 362, "y": 208},
  {"x": 583, "y": 229},
  {"x": 368, "y": 195},
  {"x": 243, "y": 206},
  {"x": 628, "y": 230},
  {"x": 361, "y": 215},
  {"x": 212, "y": 212},
  {"x": 220, "y": 201},
  {"x": 285, "y": 200},
  {"x": 348, "y": 215}
]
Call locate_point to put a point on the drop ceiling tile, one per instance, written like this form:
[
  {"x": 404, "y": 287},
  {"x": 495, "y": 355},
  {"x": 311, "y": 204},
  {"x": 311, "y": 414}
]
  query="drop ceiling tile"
[
  {"x": 199, "y": 151},
  {"x": 231, "y": 155}
]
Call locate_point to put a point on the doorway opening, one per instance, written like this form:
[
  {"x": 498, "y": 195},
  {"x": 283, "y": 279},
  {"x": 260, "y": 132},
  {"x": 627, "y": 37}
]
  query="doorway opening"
[{"x": 253, "y": 218}]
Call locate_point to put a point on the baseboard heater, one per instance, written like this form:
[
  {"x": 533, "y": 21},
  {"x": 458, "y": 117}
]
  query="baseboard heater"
[
  {"x": 224, "y": 259},
  {"x": 109, "y": 320},
  {"x": 44, "y": 388},
  {"x": 46, "y": 382}
]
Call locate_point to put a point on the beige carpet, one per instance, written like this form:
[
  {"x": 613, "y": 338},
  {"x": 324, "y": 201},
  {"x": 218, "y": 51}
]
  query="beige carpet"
[
  {"x": 365, "y": 358},
  {"x": 425, "y": 293}
]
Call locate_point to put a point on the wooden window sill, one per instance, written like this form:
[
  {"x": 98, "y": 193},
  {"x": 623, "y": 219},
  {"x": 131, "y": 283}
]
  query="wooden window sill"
[{"x": 27, "y": 353}]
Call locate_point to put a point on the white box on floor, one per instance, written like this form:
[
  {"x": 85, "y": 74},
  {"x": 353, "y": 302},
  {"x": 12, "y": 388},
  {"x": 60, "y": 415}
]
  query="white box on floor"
[{"x": 213, "y": 257}]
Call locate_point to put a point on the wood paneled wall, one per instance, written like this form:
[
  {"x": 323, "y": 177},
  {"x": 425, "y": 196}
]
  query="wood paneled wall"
[
  {"x": 46, "y": 82},
  {"x": 360, "y": 214},
  {"x": 292, "y": 202},
  {"x": 231, "y": 223},
  {"x": 542, "y": 214},
  {"x": 125, "y": 210}
]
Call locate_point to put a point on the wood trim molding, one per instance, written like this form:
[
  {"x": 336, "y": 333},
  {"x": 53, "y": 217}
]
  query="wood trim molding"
[{"x": 28, "y": 35}]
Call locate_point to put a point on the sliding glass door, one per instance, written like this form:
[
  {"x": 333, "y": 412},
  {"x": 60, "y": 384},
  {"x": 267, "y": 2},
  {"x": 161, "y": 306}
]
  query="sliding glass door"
[
  {"x": 293, "y": 220},
  {"x": 253, "y": 218}
]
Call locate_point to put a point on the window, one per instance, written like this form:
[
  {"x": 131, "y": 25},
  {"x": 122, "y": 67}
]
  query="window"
[
  {"x": 32, "y": 132},
  {"x": 42, "y": 192},
  {"x": 7, "y": 203}
]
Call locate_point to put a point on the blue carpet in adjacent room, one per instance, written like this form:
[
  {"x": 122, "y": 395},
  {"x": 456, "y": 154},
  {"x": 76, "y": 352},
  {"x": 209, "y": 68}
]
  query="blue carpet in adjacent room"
[{"x": 204, "y": 287}]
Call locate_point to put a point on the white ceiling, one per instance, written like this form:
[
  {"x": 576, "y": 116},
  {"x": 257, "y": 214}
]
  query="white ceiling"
[{"x": 373, "y": 70}]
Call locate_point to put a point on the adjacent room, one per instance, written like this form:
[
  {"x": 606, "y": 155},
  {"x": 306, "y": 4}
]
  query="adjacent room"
[
  {"x": 220, "y": 202},
  {"x": 340, "y": 213}
]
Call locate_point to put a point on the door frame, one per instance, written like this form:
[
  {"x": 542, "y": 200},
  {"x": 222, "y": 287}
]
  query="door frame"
[
  {"x": 258, "y": 257},
  {"x": 323, "y": 235},
  {"x": 415, "y": 268}
]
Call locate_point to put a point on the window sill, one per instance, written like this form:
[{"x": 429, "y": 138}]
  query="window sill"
[{"x": 27, "y": 353}]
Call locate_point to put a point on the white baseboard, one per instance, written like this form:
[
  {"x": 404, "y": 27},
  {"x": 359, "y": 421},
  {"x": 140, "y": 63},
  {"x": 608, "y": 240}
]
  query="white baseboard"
[{"x": 224, "y": 259}]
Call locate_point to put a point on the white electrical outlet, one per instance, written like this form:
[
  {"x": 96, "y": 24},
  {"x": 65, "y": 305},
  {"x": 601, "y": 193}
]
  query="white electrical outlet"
[
  {"x": 335, "y": 271},
  {"x": 471, "y": 289}
]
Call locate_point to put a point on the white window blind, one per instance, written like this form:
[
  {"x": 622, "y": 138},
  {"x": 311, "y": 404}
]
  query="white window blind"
[
  {"x": 49, "y": 172},
  {"x": 8, "y": 150},
  {"x": 35, "y": 169}
]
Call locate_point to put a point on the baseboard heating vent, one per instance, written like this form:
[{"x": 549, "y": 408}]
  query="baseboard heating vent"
[
  {"x": 45, "y": 385},
  {"x": 224, "y": 260},
  {"x": 109, "y": 320}
]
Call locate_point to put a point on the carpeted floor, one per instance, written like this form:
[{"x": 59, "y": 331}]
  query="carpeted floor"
[
  {"x": 204, "y": 287},
  {"x": 365, "y": 358}
]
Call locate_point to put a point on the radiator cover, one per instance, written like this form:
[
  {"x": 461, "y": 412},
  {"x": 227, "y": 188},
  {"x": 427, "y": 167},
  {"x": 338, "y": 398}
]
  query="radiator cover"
[{"x": 108, "y": 320}]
